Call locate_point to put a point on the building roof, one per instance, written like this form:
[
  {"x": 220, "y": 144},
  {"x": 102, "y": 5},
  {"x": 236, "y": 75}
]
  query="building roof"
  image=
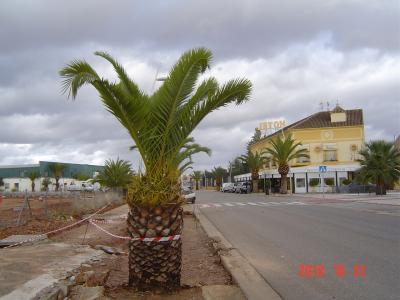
[
  {"x": 43, "y": 170},
  {"x": 322, "y": 119}
]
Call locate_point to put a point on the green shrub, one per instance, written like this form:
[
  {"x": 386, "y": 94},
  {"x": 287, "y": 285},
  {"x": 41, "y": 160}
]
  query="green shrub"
[
  {"x": 346, "y": 181},
  {"x": 329, "y": 181},
  {"x": 314, "y": 182}
]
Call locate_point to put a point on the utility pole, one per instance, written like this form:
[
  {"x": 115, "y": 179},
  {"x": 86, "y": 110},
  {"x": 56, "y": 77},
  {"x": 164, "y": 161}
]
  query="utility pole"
[{"x": 230, "y": 171}]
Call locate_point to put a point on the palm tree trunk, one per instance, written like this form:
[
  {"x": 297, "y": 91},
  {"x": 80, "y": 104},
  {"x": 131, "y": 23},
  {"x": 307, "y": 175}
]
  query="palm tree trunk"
[
  {"x": 283, "y": 184},
  {"x": 255, "y": 185},
  {"x": 380, "y": 188},
  {"x": 57, "y": 184},
  {"x": 155, "y": 264},
  {"x": 197, "y": 185}
]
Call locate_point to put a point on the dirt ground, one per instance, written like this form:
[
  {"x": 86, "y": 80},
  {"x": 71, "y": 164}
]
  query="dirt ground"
[
  {"x": 58, "y": 216},
  {"x": 201, "y": 266}
]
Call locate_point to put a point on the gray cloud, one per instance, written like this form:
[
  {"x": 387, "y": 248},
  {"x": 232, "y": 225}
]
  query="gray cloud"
[{"x": 296, "y": 53}]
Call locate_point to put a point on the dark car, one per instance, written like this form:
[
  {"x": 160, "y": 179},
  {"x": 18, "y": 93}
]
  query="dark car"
[{"x": 242, "y": 188}]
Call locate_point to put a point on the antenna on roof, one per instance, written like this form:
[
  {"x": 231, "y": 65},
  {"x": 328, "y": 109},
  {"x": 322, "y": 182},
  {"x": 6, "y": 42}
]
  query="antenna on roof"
[
  {"x": 327, "y": 105},
  {"x": 321, "y": 106}
]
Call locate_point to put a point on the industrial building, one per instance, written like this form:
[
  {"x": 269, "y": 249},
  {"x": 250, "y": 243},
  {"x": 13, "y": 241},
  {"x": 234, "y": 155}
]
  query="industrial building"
[{"x": 15, "y": 178}]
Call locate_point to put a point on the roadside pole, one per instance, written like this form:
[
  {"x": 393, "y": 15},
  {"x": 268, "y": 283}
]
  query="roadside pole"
[{"x": 322, "y": 170}]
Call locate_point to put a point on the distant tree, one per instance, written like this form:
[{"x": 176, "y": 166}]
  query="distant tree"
[
  {"x": 219, "y": 173},
  {"x": 197, "y": 175},
  {"x": 282, "y": 151},
  {"x": 1, "y": 183},
  {"x": 239, "y": 167},
  {"x": 254, "y": 139},
  {"x": 33, "y": 176},
  {"x": 57, "y": 169},
  {"x": 380, "y": 163},
  {"x": 81, "y": 176},
  {"x": 255, "y": 162},
  {"x": 117, "y": 174},
  {"x": 45, "y": 183}
]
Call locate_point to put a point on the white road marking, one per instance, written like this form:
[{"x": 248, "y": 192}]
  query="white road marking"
[{"x": 232, "y": 204}]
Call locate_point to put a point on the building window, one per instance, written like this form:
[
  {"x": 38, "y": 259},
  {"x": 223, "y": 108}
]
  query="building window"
[
  {"x": 302, "y": 160},
  {"x": 7, "y": 186},
  {"x": 300, "y": 182},
  {"x": 16, "y": 186},
  {"x": 330, "y": 155}
]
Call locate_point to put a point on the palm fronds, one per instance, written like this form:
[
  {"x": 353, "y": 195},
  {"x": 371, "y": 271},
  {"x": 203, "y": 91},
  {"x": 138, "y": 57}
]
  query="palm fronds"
[{"x": 161, "y": 124}]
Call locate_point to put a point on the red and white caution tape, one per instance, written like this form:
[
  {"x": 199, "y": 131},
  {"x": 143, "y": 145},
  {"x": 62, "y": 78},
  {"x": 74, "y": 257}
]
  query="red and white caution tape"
[
  {"x": 143, "y": 239},
  {"x": 38, "y": 237}
]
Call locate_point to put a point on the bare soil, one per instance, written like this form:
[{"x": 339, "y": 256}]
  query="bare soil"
[
  {"x": 201, "y": 266},
  {"x": 58, "y": 216}
]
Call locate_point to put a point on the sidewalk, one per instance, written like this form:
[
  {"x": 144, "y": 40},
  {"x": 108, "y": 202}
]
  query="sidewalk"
[
  {"x": 389, "y": 199},
  {"x": 33, "y": 267}
]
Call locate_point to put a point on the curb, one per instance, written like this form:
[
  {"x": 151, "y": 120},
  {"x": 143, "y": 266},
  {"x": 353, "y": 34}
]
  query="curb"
[{"x": 252, "y": 284}]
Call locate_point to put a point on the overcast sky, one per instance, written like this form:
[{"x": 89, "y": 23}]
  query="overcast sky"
[{"x": 296, "y": 53}]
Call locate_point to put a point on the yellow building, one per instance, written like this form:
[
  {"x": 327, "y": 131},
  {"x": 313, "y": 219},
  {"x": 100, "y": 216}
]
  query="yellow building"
[{"x": 332, "y": 138}]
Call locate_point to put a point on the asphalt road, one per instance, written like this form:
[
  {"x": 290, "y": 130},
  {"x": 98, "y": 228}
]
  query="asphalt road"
[{"x": 279, "y": 237}]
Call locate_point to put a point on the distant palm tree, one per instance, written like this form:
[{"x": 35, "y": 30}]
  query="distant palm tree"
[
  {"x": 160, "y": 125},
  {"x": 117, "y": 174},
  {"x": 219, "y": 173},
  {"x": 255, "y": 162},
  {"x": 33, "y": 176},
  {"x": 57, "y": 169},
  {"x": 282, "y": 151},
  {"x": 197, "y": 175},
  {"x": 380, "y": 164}
]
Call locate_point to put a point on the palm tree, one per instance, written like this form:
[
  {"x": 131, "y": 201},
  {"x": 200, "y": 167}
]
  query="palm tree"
[
  {"x": 160, "y": 125},
  {"x": 33, "y": 176},
  {"x": 282, "y": 151},
  {"x": 255, "y": 162},
  {"x": 197, "y": 175},
  {"x": 117, "y": 174},
  {"x": 219, "y": 173},
  {"x": 380, "y": 164},
  {"x": 57, "y": 169}
]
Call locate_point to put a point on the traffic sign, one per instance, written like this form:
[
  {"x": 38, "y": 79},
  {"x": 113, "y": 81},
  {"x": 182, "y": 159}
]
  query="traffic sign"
[{"x": 322, "y": 169}]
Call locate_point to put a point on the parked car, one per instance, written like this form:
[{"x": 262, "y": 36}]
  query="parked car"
[
  {"x": 242, "y": 188},
  {"x": 81, "y": 187},
  {"x": 228, "y": 187},
  {"x": 189, "y": 195}
]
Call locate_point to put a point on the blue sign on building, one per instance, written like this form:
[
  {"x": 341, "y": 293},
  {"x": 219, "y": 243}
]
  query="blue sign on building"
[{"x": 322, "y": 169}]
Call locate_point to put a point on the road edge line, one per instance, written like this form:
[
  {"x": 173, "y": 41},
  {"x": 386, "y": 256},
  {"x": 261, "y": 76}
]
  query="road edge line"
[{"x": 252, "y": 284}]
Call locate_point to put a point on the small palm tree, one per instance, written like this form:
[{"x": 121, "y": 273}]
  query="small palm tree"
[
  {"x": 255, "y": 162},
  {"x": 197, "y": 175},
  {"x": 282, "y": 151},
  {"x": 45, "y": 183},
  {"x": 117, "y": 174},
  {"x": 219, "y": 173},
  {"x": 380, "y": 164},
  {"x": 57, "y": 169},
  {"x": 160, "y": 125},
  {"x": 33, "y": 176}
]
